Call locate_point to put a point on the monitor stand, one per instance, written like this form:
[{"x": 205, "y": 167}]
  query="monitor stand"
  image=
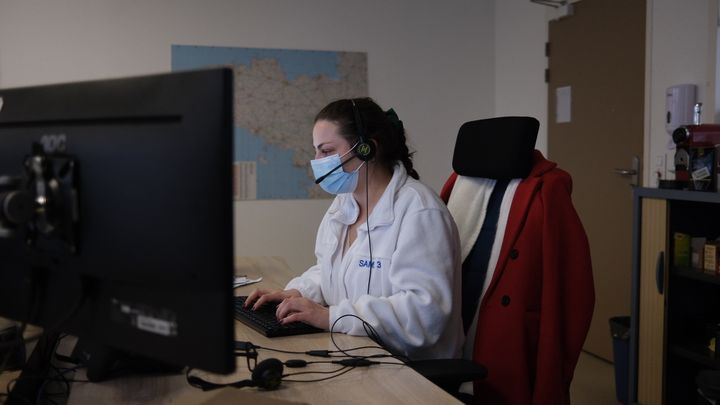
[
  {"x": 104, "y": 362},
  {"x": 34, "y": 373}
]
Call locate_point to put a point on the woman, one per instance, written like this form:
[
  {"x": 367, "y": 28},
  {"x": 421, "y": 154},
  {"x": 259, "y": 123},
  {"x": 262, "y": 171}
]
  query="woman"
[{"x": 387, "y": 248}]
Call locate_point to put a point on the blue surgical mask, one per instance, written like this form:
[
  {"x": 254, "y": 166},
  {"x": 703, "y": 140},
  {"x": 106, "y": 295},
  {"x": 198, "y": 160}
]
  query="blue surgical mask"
[{"x": 339, "y": 181}]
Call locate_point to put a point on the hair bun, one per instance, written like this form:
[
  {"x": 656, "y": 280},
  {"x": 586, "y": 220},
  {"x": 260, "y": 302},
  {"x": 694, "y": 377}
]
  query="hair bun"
[{"x": 393, "y": 117}]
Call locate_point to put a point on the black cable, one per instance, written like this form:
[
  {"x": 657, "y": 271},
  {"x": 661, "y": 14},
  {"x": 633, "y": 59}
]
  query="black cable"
[
  {"x": 20, "y": 340},
  {"x": 372, "y": 334},
  {"x": 314, "y": 372},
  {"x": 327, "y": 353},
  {"x": 323, "y": 379},
  {"x": 34, "y": 306},
  {"x": 54, "y": 378},
  {"x": 359, "y": 348},
  {"x": 59, "y": 376},
  {"x": 251, "y": 354},
  {"x": 60, "y": 372},
  {"x": 63, "y": 380},
  {"x": 281, "y": 350},
  {"x": 347, "y": 364},
  {"x": 367, "y": 223},
  {"x": 332, "y": 333},
  {"x": 47, "y": 380}
]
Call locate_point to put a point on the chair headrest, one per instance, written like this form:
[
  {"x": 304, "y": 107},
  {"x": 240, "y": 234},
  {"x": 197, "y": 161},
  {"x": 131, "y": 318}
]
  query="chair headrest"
[{"x": 496, "y": 148}]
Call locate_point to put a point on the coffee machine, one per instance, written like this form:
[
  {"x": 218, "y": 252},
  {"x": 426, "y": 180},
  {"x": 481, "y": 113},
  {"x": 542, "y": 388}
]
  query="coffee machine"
[{"x": 696, "y": 156}]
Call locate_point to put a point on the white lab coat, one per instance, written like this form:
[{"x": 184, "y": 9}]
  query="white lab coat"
[{"x": 414, "y": 300}]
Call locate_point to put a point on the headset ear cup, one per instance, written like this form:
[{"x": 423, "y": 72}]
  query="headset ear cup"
[
  {"x": 268, "y": 374},
  {"x": 365, "y": 151}
]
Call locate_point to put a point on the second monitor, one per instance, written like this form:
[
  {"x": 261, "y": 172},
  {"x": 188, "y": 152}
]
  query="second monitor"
[{"x": 117, "y": 218}]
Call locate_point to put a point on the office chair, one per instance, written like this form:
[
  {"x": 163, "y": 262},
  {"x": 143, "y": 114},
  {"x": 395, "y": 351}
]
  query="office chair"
[{"x": 528, "y": 293}]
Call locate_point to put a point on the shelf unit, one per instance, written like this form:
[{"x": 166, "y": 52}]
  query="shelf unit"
[
  {"x": 695, "y": 274},
  {"x": 697, "y": 354},
  {"x": 674, "y": 312}
]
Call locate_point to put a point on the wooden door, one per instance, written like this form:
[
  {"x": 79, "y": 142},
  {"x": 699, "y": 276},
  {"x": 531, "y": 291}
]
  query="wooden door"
[
  {"x": 651, "y": 325},
  {"x": 597, "y": 55}
]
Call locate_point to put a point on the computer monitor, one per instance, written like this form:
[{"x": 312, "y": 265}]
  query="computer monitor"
[{"x": 116, "y": 216}]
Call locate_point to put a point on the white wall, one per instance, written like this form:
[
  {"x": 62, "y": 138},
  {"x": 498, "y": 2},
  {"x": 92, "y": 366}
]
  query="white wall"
[
  {"x": 680, "y": 49},
  {"x": 521, "y": 30},
  {"x": 432, "y": 61}
]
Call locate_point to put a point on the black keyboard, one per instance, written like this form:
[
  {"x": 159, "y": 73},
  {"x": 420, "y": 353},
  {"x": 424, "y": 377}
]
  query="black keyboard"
[{"x": 264, "y": 321}]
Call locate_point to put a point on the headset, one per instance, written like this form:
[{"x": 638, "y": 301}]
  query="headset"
[
  {"x": 266, "y": 375},
  {"x": 364, "y": 149}
]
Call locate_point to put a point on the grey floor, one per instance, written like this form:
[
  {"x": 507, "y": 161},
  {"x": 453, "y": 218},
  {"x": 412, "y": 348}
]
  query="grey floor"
[{"x": 593, "y": 383}]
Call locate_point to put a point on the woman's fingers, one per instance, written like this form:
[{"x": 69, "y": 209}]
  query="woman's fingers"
[
  {"x": 259, "y": 297},
  {"x": 270, "y": 296},
  {"x": 254, "y": 296},
  {"x": 299, "y": 309}
]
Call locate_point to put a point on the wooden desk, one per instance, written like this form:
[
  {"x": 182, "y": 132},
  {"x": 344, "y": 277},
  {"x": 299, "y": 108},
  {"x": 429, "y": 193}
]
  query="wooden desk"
[{"x": 378, "y": 384}]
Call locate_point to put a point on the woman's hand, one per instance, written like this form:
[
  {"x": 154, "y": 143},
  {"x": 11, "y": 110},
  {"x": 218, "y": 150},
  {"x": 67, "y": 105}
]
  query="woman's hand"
[
  {"x": 301, "y": 309},
  {"x": 260, "y": 297}
]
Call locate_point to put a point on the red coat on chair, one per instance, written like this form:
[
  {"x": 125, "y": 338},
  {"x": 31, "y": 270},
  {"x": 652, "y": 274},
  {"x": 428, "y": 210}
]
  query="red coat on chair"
[{"x": 535, "y": 315}]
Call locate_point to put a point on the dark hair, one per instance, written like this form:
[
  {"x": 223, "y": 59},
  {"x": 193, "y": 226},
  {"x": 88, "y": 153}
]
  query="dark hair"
[{"x": 379, "y": 126}]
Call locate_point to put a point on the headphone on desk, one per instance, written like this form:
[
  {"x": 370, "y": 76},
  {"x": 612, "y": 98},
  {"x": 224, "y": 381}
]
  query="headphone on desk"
[{"x": 266, "y": 375}]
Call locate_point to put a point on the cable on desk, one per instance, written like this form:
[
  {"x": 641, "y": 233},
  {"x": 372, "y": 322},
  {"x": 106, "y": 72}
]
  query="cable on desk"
[
  {"x": 33, "y": 307},
  {"x": 341, "y": 372},
  {"x": 371, "y": 333},
  {"x": 369, "y": 330},
  {"x": 249, "y": 351},
  {"x": 37, "y": 278},
  {"x": 61, "y": 379},
  {"x": 58, "y": 376},
  {"x": 330, "y": 353}
]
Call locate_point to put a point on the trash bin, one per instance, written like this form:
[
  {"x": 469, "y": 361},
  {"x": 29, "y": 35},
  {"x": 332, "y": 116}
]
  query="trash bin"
[{"x": 620, "y": 331}]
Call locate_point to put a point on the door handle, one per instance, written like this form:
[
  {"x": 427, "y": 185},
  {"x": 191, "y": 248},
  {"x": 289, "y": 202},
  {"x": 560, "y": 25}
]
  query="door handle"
[
  {"x": 660, "y": 272},
  {"x": 632, "y": 172}
]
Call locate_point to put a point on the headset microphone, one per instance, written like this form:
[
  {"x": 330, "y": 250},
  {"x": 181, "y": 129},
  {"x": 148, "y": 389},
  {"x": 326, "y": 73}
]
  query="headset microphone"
[{"x": 321, "y": 178}]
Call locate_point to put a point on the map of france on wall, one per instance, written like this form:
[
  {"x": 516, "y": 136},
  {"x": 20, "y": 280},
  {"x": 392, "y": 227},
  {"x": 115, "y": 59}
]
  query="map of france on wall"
[{"x": 277, "y": 94}]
